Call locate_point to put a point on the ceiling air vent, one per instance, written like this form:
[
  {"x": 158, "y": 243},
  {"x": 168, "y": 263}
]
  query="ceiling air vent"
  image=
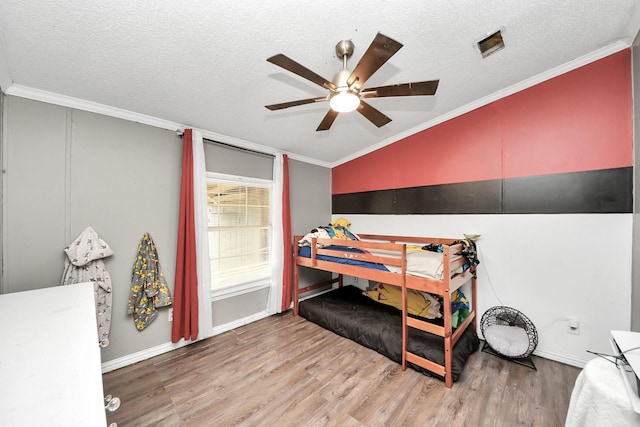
[{"x": 491, "y": 44}]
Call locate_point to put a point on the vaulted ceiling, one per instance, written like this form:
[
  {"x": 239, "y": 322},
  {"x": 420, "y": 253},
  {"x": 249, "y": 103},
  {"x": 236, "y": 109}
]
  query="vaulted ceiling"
[{"x": 203, "y": 64}]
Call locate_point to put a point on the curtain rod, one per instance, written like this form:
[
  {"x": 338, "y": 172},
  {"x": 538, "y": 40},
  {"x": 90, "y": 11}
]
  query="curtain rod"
[
  {"x": 235, "y": 147},
  {"x": 180, "y": 133}
]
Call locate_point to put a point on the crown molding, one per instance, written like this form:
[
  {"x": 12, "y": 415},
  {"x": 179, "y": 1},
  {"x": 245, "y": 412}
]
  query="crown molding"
[
  {"x": 525, "y": 84},
  {"x": 309, "y": 160},
  {"x": 94, "y": 107}
]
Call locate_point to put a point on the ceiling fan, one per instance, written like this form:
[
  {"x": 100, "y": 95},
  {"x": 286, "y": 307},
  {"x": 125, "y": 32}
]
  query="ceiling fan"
[{"x": 345, "y": 89}]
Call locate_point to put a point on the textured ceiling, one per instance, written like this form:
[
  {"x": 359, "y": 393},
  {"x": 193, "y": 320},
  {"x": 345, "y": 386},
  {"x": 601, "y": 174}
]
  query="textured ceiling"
[{"x": 202, "y": 64}]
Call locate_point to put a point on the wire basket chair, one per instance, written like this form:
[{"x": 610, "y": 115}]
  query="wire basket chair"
[{"x": 507, "y": 318}]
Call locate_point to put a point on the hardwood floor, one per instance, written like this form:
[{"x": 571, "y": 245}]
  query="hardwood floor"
[{"x": 284, "y": 370}]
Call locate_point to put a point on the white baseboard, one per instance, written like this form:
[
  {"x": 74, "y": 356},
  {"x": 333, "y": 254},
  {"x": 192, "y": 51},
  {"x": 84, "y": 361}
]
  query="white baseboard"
[
  {"x": 139, "y": 356},
  {"x": 148, "y": 353},
  {"x": 562, "y": 358},
  {"x": 553, "y": 355}
]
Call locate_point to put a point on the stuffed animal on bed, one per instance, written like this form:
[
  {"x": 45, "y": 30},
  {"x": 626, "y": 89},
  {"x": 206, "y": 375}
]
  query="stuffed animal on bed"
[
  {"x": 342, "y": 222},
  {"x": 318, "y": 233},
  {"x": 337, "y": 229}
]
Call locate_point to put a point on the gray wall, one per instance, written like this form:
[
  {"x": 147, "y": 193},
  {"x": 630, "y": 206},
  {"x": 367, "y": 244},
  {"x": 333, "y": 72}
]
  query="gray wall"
[
  {"x": 310, "y": 194},
  {"x": 67, "y": 169}
]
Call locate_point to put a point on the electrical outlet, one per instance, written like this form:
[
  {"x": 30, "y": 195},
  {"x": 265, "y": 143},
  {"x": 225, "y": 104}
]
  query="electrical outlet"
[
  {"x": 171, "y": 315},
  {"x": 573, "y": 326}
]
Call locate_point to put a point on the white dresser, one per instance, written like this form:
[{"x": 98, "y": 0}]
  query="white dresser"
[{"x": 50, "y": 372}]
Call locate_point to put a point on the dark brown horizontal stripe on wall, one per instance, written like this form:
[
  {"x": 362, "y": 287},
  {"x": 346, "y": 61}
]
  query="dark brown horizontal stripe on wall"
[
  {"x": 472, "y": 197},
  {"x": 600, "y": 191}
]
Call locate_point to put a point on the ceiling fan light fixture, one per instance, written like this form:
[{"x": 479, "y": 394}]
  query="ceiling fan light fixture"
[
  {"x": 344, "y": 101},
  {"x": 346, "y": 88}
]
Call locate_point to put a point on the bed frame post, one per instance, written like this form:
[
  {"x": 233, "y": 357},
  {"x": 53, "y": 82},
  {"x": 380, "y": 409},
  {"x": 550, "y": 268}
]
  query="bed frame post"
[
  {"x": 405, "y": 326},
  {"x": 446, "y": 300},
  {"x": 473, "y": 302},
  {"x": 296, "y": 278}
]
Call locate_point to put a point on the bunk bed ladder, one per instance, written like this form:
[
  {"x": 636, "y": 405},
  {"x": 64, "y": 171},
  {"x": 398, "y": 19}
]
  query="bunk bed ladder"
[{"x": 445, "y": 332}]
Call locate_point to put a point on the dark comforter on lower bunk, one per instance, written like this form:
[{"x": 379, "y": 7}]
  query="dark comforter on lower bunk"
[{"x": 352, "y": 315}]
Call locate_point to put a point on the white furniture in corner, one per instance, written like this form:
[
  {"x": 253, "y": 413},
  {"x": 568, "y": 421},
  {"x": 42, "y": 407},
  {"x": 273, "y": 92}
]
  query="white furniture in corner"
[{"x": 50, "y": 370}]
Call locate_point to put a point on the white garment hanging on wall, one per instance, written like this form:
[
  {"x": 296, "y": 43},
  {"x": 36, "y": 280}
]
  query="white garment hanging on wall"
[{"x": 84, "y": 263}]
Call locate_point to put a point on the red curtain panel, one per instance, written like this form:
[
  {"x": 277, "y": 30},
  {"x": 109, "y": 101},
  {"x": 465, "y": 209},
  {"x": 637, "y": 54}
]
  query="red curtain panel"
[
  {"x": 286, "y": 236},
  {"x": 185, "y": 293}
]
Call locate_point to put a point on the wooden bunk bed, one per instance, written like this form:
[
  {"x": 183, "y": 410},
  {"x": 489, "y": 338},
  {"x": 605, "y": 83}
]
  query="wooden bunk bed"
[{"x": 363, "y": 258}]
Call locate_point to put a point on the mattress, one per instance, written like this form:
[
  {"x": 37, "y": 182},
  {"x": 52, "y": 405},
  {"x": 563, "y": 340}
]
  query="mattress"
[{"x": 348, "y": 313}]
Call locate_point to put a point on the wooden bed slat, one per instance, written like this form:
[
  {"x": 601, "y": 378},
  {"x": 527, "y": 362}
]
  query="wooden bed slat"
[
  {"x": 407, "y": 239},
  {"x": 425, "y": 363},
  {"x": 460, "y": 280},
  {"x": 361, "y": 257},
  {"x": 318, "y": 285},
  {"x": 425, "y": 326},
  {"x": 350, "y": 270},
  {"x": 457, "y": 263},
  {"x": 397, "y": 247}
]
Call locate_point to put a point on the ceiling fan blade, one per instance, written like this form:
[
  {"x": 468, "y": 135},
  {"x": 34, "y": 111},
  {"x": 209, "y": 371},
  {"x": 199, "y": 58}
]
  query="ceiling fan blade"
[
  {"x": 291, "y": 65},
  {"x": 406, "y": 89},
  {"x": 326, "y": 123},
  {"x": 374, "y": 116},
  {"x": 381, "y": 49},
  {"x": 283, "y": 105}
]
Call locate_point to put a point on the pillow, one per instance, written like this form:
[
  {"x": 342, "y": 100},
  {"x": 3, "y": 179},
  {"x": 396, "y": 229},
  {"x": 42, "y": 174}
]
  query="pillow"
[
  {"x": 511, "y": 341},
  {"x": 425, "y": 263}
]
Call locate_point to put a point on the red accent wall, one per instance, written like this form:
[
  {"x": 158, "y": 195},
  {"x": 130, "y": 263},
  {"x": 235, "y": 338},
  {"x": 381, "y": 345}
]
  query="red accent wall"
[{"x": 579, "y": 121}]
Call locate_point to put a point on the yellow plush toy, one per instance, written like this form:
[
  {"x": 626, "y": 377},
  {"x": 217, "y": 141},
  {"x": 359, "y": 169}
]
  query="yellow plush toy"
[
  {"x": 340, "y": 229},
  {"x": 418, "y": 303},
  {"x": 341, "y": 222}
]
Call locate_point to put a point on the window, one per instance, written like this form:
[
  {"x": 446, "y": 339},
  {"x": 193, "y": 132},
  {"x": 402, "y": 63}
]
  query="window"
[{"x": 239, "y": 220}]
